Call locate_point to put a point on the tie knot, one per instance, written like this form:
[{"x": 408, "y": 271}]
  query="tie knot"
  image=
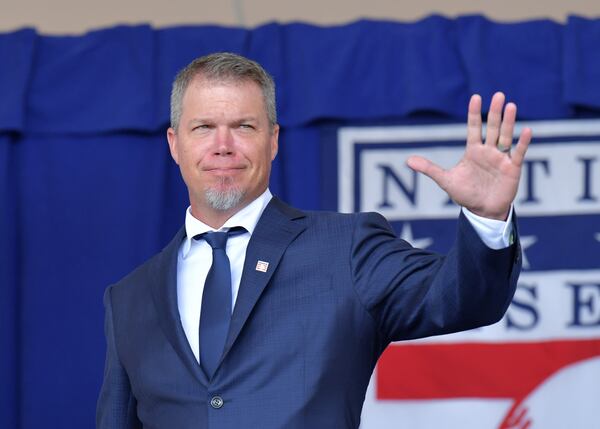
[{"x": 218, "y": 239}]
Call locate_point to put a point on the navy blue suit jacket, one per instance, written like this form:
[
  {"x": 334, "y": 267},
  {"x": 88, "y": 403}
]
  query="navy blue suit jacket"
[{"x": 305, "y": 335}]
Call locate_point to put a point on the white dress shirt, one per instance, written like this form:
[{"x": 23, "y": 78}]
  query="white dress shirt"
[
  {"x": 195, "y": 257},
  {"x": 496, "y": 234}
]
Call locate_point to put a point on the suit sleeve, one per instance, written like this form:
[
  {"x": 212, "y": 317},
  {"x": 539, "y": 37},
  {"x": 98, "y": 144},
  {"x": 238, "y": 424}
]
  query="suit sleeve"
[
  {"x": 116, "y": 408},
  {"x": 412, "y": 293}
]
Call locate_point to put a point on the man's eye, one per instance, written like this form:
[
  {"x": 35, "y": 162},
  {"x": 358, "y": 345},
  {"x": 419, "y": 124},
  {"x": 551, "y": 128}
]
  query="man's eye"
[
  {"x": 246, "y": 126},
  {"x": 201, "y": 127}
]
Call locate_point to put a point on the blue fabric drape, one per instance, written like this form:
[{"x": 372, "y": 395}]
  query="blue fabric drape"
[
  {"x": 88, "y": 189},
  {"x": 9, "y": 290}
]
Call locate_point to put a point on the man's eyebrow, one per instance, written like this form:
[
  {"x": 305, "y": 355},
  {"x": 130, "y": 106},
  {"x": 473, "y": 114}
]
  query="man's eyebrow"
[
  {"x": 197, "y": 120},
  {"x": 247, "y": 119}
]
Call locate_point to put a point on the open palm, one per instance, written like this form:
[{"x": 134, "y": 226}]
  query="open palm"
[{"x": 486, "y": 179}]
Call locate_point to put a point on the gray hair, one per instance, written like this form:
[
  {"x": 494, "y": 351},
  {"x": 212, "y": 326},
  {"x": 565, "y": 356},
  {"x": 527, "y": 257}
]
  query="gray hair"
[{"x": 223, "y": 67}]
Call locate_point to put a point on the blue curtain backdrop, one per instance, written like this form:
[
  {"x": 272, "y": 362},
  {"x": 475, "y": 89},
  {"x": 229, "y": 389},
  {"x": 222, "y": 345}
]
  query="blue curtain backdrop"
[{"x": 88, "y": 189}]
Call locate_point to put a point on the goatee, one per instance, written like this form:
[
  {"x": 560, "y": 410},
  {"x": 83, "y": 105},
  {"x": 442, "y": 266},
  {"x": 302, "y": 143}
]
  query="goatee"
[{"x": 225, "y": 199}]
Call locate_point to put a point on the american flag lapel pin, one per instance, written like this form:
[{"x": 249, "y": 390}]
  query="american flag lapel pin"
[{"x": 262, "y": 266}]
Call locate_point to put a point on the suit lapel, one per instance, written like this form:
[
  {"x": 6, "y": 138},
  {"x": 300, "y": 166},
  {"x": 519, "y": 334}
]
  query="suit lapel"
[
  {"x": 274, "y": 232},
  {"x": 164, "y": 293}
]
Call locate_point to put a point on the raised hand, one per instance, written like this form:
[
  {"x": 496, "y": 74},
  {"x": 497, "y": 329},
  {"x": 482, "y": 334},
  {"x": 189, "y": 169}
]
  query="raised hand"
[{"x": 486, "y": 179}]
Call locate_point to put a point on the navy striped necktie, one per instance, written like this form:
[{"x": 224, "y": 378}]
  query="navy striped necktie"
[{"x": 215, "y": 313}]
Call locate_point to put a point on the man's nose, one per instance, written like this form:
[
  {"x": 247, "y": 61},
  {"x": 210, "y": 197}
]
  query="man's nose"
[{"x": 224, "y": 142}]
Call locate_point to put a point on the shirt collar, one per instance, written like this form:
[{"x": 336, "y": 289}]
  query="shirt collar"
[{"x": 246, "y": 217}]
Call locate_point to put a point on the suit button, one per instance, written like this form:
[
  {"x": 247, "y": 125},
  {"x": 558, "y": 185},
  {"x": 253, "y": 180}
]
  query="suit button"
[{"x": 216, "y": 402}]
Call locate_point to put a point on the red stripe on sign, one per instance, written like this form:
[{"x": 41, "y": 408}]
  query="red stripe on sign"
[{"x": 474, "y": 370}]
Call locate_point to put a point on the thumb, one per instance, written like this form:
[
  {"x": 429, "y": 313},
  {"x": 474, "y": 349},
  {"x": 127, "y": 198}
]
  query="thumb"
[{"x": 428, "y": 168}]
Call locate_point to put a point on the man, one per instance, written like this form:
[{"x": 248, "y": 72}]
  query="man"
[{"x": 281, "y": 323}]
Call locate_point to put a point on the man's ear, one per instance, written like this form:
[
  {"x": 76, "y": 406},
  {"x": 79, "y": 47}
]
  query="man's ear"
[
  {"x": 172, "y": 139},
  {"x": 274, "y": 141}
]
